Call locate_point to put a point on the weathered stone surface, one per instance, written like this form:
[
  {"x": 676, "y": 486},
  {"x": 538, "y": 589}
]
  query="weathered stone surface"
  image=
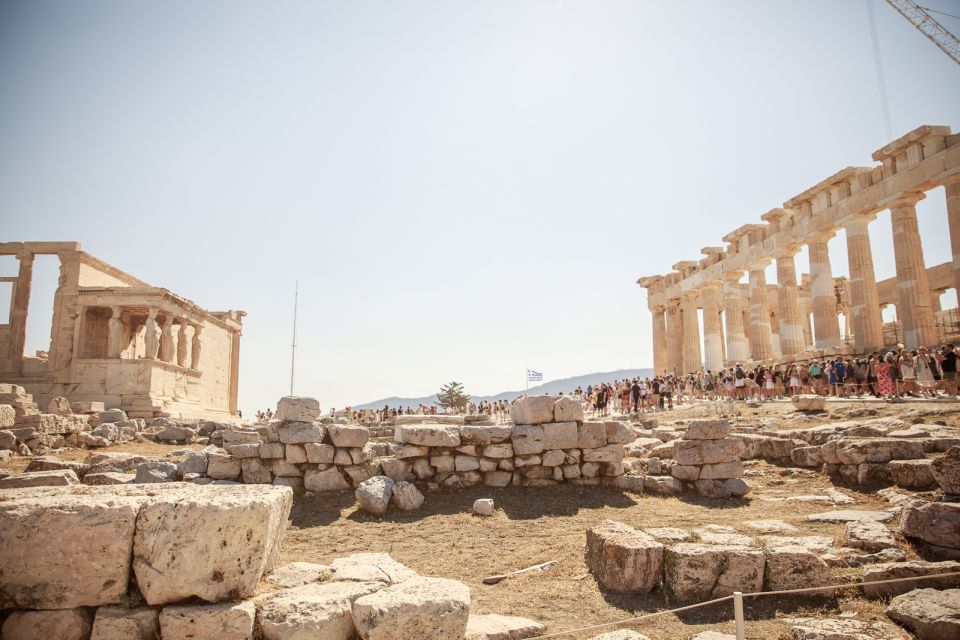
[
  {"x": 195, "y": 462},
  {"x": 253, "y": 471},
  {"x": 8, "y": 441},
  {"x": 703, "y": 571},
  {"x": 849, "y": 515},
  {"x": 67, "y": 624},
  {"x": 606, "y": 453},
  {"x": 731, "y": 487},
  {"x": 112, "y": 415},
  {"x": 175, "y": 433},
  {"x": 721, "y": 471},
  {"x": 53, "y": 463},
  {"x": 622, "y": 558},
  {"x": 809, "y": 402},
  {"x": 344, "y": 435},
  {"x": 504, "y": 450},
  {"x": 910, "y": 569},
  {"x": 929, "y": 614},
  {"x": 496, "y": 627},
  {"x": 871, "y": 536},
  {"x": 568, "y": 409},
  {"x": 685, "y": 472},
  {"x": 485, "y": 434},
  {"x": 7, "y": 415},
  {"x": 120, "y": 623},
  {"x": 428, "y": 435},
  {"x": 912, "y": 474},
  {"x": 415, "y": 609},
  {"x": 806, "y": 456},
  {"x": 794, "y": 567},
  {"x": 107, "y": 477},
  {"x": 54, "y": 478},
  {"x": 155, "y": 471},
  {"x": 466, "y": 463},
  {"x": 301, "y": 432},
  {"x": 222, "y": 466},
  {"x": 700, "y": 452},
  {"x": 483, "y": 507},
  {"x": 371, "y": 567},
  {"x": 937, "y": 523},
  {"x": 296, "y": 574},
  {"x": 406, "y": 496},
  {"x": 662, "y": 485},
  {"x": 875, "y": 450},
  {"x": 844, "y": 629},
  {"x": 373, "y": 495},
  {"x": 298, "y": 409},
  {"x": 235, "y": 534},
  {"x": 669, "y": 534},
  {"x": 229, "y": 621},
  {"x": 874, "y": 474},
  {"x": 527, "y": 439},
  {"x": 560, "y": 435},
  {"x": 707, "y": 430},
  {"x": 946, "y": 471},
  {"x": 622, "y": 634},
  {"x": 313, "y": 611},
  {"x": 533, "y": 410},
  {"x": 592, "y": 434},
  {"x": 247, "y": 450},
  {"x": 619, "y": 432}
]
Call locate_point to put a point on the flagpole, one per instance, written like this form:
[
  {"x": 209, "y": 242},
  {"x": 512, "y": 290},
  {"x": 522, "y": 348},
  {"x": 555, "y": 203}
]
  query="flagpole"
[{"x": 526, "y": 383}]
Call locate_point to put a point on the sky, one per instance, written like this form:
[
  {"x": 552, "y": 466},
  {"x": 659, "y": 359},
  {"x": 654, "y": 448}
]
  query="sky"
[{"x": 463, "y": 189}]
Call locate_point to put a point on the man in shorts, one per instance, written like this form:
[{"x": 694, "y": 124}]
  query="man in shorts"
[{"x": 948, "y": 367}]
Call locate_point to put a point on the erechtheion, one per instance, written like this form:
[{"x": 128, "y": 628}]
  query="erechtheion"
[
  {"x": 765, "y": 323},
  {"x": 117, "y": 340}
]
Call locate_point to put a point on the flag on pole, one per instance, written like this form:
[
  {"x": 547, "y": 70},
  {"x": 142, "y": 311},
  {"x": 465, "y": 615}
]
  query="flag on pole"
[{"x": 534, "y": 376}]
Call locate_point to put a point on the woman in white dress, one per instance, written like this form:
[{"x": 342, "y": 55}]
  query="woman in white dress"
[
  {"x": 925, "y": 372},
  {"x": 908, "y": 372}
]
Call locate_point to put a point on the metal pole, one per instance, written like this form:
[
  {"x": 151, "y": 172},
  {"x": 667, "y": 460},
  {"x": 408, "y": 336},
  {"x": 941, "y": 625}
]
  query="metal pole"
[
  {"x": 738, "y": 614},
  {"x": 293, "y": 344}
]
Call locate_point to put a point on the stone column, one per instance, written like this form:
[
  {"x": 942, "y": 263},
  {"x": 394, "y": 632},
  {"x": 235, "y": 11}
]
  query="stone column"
[
  {"x": 150, "y": 341},
  {"x": 914, "y": 312},
  {"x": 791, "y": 329},
  {"x": 712, "y": 327},
  {"x": 115, "y": 333},
  {"x": 826, "y": 327},
  {"x": 195, "y": 346},
  {"x": 952, "y": 186},
  {"x": 737, "y": 348},
  {"x": 659, "y": 313},
  {"x": 935, "y": 302},
  {"x": 166, "y": 340},
  {"x": 234, "y": 370},
  {"x": 864, "y": 299},
  {"x": 18, "y": 312},
  {"x": 692, "y": 359},
  {"x": 182, "y": 344},
  {"x": 674, "y": 337},
  {"x": 761, "y": 343}
]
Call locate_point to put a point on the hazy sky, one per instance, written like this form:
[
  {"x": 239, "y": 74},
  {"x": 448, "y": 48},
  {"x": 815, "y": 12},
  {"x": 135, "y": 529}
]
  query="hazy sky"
[{"x": 463, "y": 188}]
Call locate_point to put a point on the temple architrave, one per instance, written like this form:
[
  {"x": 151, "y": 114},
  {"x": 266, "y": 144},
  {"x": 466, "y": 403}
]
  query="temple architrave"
[
  {"x": 117, "y": 340},
  {"x": 798, "y": 317}
]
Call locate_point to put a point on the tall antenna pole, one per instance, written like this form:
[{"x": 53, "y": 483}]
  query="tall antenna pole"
[
  {"x": 293, "y": 344},
  {"x": 878, "y": 65}
]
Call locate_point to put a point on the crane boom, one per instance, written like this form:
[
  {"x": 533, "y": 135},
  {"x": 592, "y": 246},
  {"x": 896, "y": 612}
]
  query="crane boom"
[{"x": 924, "y": 22}]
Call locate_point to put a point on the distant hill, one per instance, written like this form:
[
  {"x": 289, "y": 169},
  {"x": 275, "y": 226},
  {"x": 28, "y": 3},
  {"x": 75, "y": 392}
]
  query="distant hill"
[{"x": 564, "y": 385}]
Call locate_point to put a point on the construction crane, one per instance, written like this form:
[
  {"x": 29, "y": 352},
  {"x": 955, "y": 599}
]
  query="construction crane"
[{"x": 924, "y": 22}]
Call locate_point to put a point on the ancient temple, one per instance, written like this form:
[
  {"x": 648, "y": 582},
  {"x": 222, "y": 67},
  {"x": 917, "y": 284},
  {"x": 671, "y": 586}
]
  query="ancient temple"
[{"x": 118, "y": 340}]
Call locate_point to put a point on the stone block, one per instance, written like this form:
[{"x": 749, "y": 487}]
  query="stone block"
[
  {"x": 946, "y": 471},
  {"x": 274, "y": 450},
  {"x": 929, "y": 614},
  {"x": 485, "y": 434},
  {"x": 900, "y": 570},
  {"x": 346, "y": 435},
  {"x": 427, "y": 435},
  {"x": 296, "y": 574},
  {"x": 497, "y": 478},
  {"x": 370, "y": 567},
  {"x": 328, "y": 480},
  {"x": 874, "y": 474},
  {"x": 313, "y": 611},
  {"x": 67, "y": 624},
  {"x": 222, "y": 466},
  {"x": 155, "y": 471},
  {"x": 298, "y": 409},
  {"x": 685, "y": 472},
  {"x": 403, "y": 451},
  {"x": 912, "y": 474},
  {"x": 936, "y": 523},
  {"x": 721, "y": 471},
  {"x": 592, "y": 434},
  {"x": 504, "y": 450},
  {"x": 720, "y": 489},
  {"x": 250, "y": 450},
  {"x": 560, "y": 435},
  {"x": 795, "y": 567},
  {"x": 295, "y": 454},
  {"x": 483, "y": 507},
  {"x": 527, "y": 439},
  {"x": 606, "y": 453},
  {"x": 300, "y": 432},
  {"x": 7, "y": 416},
  {"x": 253, "y": 471},
  {"x": 532, "y": 410},
  {"x": 406, "y": 496},
  {"x": 870, "y": 536},
  {"x": 809, "y": 402},
  {"x": 496, "y": 627},
  {"x": 195, "y": 462},
  {"x": 707, "y": 430},
  {"x": 623, "y": 559},
  {"x": 86, "y": 406},
  {"x": 53, "y": 478},
  {"x": 700, "y": 452},
  {"x": 228, "y": 621},
  {"x": 106, "y": 477},
  {"x": 466, "y": 463},
  {"x": 807, "y": 457},
  {"x": 694, "y": 571},
  {"x": 414, "y": 610},
  {"x": 240, "y": 436},
  {"x": 373, "y": 495},
  {"x": 619, "y": 432},
  {"x": 120, "y": 623}
]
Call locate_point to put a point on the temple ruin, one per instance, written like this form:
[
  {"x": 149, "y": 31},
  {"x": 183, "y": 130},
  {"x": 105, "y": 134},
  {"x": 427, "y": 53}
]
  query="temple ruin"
[
  {"x": 757, "y": 322},
  {"x": 117, "y": 340}
]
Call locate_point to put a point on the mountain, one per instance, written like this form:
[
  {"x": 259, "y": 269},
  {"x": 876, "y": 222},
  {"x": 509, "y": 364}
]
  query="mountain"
[{"x": 564, "y": 385}]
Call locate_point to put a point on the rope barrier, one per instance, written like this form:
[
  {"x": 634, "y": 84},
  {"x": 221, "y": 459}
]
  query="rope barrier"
[{"x": 698, "y": 605}]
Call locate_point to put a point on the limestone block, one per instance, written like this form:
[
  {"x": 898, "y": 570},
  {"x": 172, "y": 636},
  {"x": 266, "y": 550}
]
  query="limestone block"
[
  {"x": 282, "y": 468},
  {"x": 313, "y": 611},
  {"x": 345, "y": 435},
  {"x": 466, "y": 463},
  {"x": 777, "y": 449},
  {"x": 844, "y": 629},
  {"x": 427, "y": 435},
  {"x": 488, "y": 464},
  {"x": 685, "y": 472},
  {"x": 794, "y": 567},
  {"x": 937, "y": 523},
  {"x": 592, "y": 434},
  {"x": 946, "y": 471},
  {"x": 485, "y": 434},
  {"x": 532, "y": 410},
  {"x": 553, "y": 458},
  {"x": 606, "y": 453},
  {"x": 195, "y": 462},
  {"x": 406, "y": 496},
  {"x": 619, "y": 432},
  {"x": 496, "y": 627},
  {"x": 251, "y": 450},
  {"x": 483, "y": 507},
  {"x": 568, "y": 409},
  {"x": 731, "y": 487},
  {"x": 875, "y": 450},
  {"x": 296, "y": 574},
  {"x": 328, "y": 480},
  {"x": 53, "y": 478},
  {"x": 929, "y": 614},
  {"x": 403, "y": 451},
  {"x": 806, "y": 456},
  {"x": 52, "y": 463},
  {"x": 7, "y": 416},
  {"x": 86, "y": 406},
  {"x": 874, "y": 474},
  {"x": 295, "y": 454},
  {"x": 342, "y": 457},
  {"x": 504, "y": 450},
  {"x": 912, "y": 474},
  {"x": 528, "y": 439},
  {"x": 300, "y": 432},
  {"x": 698, "y": 572},
  {"x": 66, "y": 624},
  {"x": 105, "y": 478},
  {"x": 253, "y": 471},
  {"x": 871, "y": 536},
  {"x": 590, "y": 469},
  {"x": 699, "y": 452},
  {"x": 222, "y": 466},
  {"x": 271, "y": 450},
  {"x": 415, "y": 609},
  {"x": 229, "y": 621},
  {"x": 622, "y": 558},
  {"x": 443, "y": 464},
  {"x": 8, "y": 441},
  {"x": 721, "y": 471},
  {"x": 112, "y": 415},
  {"x": 370, "y": 567},
  {"x": 156, "y": 471},
  {"x": 809, "y": 402},
  {"x": 120, "y": 623},
  {"x": 560, "y": 435},
  {"x": 707, "y": 430},
  {"x": 422, "y": 469},
  {"x": 396, "y": 470},
  {"x": 240, "y": 436},
  {"x": 527, "y": 461},
  {"x": 235, "y": 534},
  {"x": 175, "y": 433},
  {"x": 373, "y": 495},
  {"x": 298, "y": 409},
  {"x": 497, "y": 478},
  {"x": 621, "y": 634},
  {"x": 910, "y": 569}
]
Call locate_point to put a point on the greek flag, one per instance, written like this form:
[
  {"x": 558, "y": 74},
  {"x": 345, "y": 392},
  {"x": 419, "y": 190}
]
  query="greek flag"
[{"x": 534, "y": 376}]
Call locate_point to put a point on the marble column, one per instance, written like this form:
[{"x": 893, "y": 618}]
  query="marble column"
[
  {"x": 864, "y": 300},
  {"x": 791, "y": 329},
  {"x": 19, "y": 308},
  {"x": 674, "y": 337},
  {"x": 182, "y": 344},
  {"x": 659, "y": 313},
  {"x": 826, "y": 326},
  {"x": 762, "y": 343},
  {"x": 692, "y": 359},
  {"x": 150, "y": 341},
  {"x": 913, "y": 311},
  {"x": 114, "y": 333},
  {"x": 195, "y": 346},
  {"x": 737, "y": 347},
  {"x": 712, "y": 327},
  {"x": 935, "y": 302},
  {"x": 952, "y": 186}
]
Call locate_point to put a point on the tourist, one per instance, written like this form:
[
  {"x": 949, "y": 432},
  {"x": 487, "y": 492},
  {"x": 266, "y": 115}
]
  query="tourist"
[
  {"x": 947, "y": 359},
  {"x": 927, "y": 372},
  {"x": 886, "y": 376},
  {"x": 907, "y": 367}
]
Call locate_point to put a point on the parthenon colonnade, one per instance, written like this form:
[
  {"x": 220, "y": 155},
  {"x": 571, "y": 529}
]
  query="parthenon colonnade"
[{"x": 757, "y": 322}]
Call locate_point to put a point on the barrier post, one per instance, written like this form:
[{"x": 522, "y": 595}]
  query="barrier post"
[{"x": 738, "y": 614}]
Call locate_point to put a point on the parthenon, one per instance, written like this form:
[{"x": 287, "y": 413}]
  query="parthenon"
[
  {"x": 760, "y": 322},
  {"x": 117, "y": 340}
]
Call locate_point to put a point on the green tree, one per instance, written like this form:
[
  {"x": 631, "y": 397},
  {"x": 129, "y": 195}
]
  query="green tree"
[{"x": 451, "y": 396}]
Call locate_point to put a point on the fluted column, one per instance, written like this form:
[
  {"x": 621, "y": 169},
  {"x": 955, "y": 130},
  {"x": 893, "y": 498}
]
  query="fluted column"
[
  {"x": 150, "y": 341},
  {"x": 791, "y": 329},
  {"x": 914, "y": 312},
  {"x": 114, "y": 333},
  {"x": 864, "y": 299},
  {"x": 19, "y": 308},
  {"x": 674, "y": 337},
  {"x": 737, "y": 348},
  {"x": 761, "y": 343},
  {"x": 712, "y": 327},
  {"x": 952, "y": 187},
  {"x": 195, "y": 346},
  {"x": 826, "y": 327},
  {"x": 659, "y": 313},
  {"x": 692, "y": 359}
]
